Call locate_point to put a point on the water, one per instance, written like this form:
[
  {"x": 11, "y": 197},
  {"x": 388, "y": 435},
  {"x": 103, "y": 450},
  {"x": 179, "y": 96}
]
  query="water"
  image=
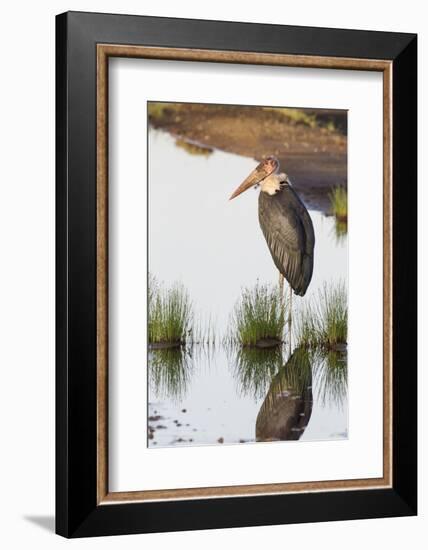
[{"x": 215, "y": 247}]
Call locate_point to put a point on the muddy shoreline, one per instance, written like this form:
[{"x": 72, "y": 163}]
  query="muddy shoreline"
[{"x": 312, "y": 150}]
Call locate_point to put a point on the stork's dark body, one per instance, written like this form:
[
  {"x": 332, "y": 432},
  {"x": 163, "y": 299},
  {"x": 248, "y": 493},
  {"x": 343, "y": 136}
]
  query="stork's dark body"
[{"x": 289, "y": 234}]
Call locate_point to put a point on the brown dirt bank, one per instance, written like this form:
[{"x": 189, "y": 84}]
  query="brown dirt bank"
[{"x": 311, "y": 145}]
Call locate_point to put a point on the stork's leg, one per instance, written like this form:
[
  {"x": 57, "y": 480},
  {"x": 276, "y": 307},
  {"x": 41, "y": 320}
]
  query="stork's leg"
[{"x": 281, "y": 292}]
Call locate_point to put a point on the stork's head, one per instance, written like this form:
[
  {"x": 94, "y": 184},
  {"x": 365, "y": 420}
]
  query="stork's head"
[{"x": 268, "y": 166}]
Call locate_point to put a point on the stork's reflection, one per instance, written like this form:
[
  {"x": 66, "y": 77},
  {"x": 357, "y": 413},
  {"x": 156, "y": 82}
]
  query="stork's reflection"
[{"x": 287, "y": 407}]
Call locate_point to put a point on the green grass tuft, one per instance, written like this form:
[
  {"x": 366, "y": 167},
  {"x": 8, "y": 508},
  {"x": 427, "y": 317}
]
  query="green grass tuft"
[
  {"x": 172, "y": 320},
  {"x": 258, "y": 316},
  {"x": 171, "y": 316},
  {"x": 323, "y": 322},
  {"x": 339, "y": 203},
  {"x": 308, "y": 328},
  {"x": 334, "y": 313}
]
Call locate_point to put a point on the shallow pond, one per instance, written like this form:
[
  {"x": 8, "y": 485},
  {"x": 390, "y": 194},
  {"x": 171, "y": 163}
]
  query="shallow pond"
[{"x": 214, "y": 247}]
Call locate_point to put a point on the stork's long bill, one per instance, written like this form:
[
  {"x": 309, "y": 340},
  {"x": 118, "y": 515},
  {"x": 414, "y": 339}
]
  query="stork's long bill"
[{"x": 262, "y": 171}]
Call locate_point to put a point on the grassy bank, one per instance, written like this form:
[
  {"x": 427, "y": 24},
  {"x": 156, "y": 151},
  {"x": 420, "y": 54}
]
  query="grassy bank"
[
  {"x": 329, "y": 120},
  {"x": 311, "y": 144}
]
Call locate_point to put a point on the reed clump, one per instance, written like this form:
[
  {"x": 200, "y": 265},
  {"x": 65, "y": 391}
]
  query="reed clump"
[
  {"x": 171, "y": 315},
  {"x": 339, "y": 208},
  {"x": 172, "y": 320},
  {"x": 323, "y": 322},
  {"x": 339, "y": 203},
  {"x": 259, "y": 317}
]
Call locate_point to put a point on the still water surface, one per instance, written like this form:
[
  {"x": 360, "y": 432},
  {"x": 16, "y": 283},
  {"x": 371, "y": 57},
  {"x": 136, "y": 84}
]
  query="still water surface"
[{"x": 215, "y": 247}]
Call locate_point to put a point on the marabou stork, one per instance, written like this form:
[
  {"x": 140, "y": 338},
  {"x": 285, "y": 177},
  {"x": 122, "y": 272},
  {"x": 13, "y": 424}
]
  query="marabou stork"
[{"x": 285, "y": 223}]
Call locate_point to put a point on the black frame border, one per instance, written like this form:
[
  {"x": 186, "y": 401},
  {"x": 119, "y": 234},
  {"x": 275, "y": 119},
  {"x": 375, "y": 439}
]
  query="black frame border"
[{"x": 77, "y": 512}]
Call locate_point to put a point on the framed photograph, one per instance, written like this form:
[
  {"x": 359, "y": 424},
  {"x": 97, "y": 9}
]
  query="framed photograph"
[{"x": 236, "y": 274}]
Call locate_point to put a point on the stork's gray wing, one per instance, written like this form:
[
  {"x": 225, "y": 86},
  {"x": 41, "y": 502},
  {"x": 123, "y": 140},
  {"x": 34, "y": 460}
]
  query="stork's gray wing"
[{"x": 289, "y": 234}]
